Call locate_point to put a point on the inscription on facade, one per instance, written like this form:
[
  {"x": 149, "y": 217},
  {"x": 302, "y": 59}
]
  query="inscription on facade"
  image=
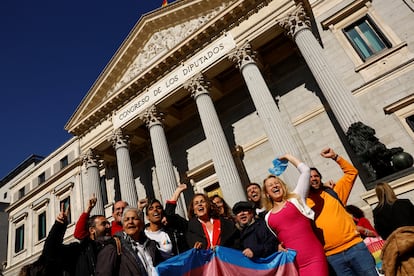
[{"x": 174, "y": 79}]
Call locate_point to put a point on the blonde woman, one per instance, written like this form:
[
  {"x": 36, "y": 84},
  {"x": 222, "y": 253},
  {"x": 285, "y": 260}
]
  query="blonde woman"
[
  {"x": 391, "y": 212},
  {"x": 289, "y": 218}
]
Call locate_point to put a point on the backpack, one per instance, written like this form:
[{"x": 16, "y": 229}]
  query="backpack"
[
  {"x": 118, "y": 246},
  {"x": 118, "y": 251}
]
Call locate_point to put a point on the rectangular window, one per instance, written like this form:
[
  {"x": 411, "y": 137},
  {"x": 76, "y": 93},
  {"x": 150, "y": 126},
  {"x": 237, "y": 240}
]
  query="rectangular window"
[
  {"x": 64, "y": 162},
  {"x": 41, "y": 226},
  {"x": 21, "y": 192},
  {"x": 19, "y": 242},
  {"x": 366, "y": 38},
  {"x": 41, "y": 178},
  {"x": 410, "y": 122},
  {"x": 5, "y": 195},
  {"x": 66, "y": 203}
]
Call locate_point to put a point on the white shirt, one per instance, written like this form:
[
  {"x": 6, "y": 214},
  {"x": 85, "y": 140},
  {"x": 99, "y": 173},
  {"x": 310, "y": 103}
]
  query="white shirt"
[{"x": 163, "y": 242}]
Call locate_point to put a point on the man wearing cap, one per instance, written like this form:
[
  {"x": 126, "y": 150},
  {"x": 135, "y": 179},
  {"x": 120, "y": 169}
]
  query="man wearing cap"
[{"x": 256, "y": 240}]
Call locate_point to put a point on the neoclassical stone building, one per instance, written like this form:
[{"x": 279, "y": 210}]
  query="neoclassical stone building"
[{"x": 209, "y": 92}]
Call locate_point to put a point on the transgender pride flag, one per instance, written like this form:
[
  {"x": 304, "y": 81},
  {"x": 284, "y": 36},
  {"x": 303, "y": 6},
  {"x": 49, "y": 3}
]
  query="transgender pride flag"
[{"x": 226, "y": 261}]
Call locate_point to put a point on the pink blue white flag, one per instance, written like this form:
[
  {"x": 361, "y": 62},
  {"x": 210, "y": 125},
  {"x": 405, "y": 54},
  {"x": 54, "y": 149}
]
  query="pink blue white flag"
[{"x": 226, "y": 261}]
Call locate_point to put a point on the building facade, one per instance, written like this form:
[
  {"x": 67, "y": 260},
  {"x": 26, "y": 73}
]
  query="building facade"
[{"x": 209, "y": 92}]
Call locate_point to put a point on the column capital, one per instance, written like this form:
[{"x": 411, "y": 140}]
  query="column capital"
[
  {"x": 118, "y": 139},
  {"x": 152, "y": 116},
  {"x": 197, "y": 85},
  {"x": 243, "y": 55},
  {"x": 296, "y": 21},
  {"x": 91, "y": 159}
]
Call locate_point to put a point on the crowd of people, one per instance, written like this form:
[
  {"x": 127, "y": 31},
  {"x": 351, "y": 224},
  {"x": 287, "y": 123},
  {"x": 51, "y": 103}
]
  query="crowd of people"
[{"x": 313, "y": 219}]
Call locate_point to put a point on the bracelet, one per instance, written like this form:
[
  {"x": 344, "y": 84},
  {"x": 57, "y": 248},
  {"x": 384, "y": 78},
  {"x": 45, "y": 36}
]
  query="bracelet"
[{"x": 335, "y": 157}]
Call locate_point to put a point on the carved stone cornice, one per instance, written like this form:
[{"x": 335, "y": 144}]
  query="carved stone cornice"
[
  {"x": 243, "y": 55},
  {"x": 91, "y": 159},
  {"x": 118, "y": 139},
  {"x": 296, "y": 21},
  {"x": 197, "y": 85},
  {"x": 152, "y": 117}
]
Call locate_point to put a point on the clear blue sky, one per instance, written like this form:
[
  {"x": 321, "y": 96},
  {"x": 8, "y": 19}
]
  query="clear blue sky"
[{"x": 51, "y": 52}]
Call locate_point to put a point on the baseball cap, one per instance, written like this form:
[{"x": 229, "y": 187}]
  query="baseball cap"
[{"x": 242, "y": 206}]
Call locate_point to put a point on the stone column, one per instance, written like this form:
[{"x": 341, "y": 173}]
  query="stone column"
[
  {"x": 163, "y": 165},
  {"x": 224, "y": 165},
  {"x": 126, "y": 179},
  {"x": 91, "y": 161},
  {"x": 343, "y": 104},
  {"x": 276, "y": 129}
]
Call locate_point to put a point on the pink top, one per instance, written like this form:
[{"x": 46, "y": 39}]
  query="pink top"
[{"x": 295, "y": 231}]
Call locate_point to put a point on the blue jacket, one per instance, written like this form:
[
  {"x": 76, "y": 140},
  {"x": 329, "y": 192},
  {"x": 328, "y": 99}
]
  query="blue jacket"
[{"x": 259, "y": 239}]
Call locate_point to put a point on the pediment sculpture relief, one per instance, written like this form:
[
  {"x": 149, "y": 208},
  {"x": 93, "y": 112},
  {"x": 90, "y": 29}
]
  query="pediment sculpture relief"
[{"x": 160, "y": 43}]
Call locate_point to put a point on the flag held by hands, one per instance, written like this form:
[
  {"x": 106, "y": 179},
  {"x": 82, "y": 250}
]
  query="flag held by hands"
[{"x": 227, "y": 261}]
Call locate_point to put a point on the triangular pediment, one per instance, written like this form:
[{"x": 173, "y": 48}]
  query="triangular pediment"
[
  {"x": 151, "y": 39},
  {"x": 160, "y": 43}
]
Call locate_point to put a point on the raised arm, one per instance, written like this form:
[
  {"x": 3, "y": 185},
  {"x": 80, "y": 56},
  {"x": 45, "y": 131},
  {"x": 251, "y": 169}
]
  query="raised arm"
[
  {"x": 172, "y": 202},
  {"x": 344, "y": 185},
  {"x": 81, "y": 227},
  {"x": 142, "y": 204},
  {"x": 91, "y": 203},
  {"x": 180, "y": 188},
  {"x": 302, "y": 186},
  {"x": 54, "y": 240}
]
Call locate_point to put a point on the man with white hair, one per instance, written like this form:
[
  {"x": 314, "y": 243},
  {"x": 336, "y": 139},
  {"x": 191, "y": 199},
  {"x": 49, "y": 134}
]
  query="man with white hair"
[{"x": 139, "y": 254}]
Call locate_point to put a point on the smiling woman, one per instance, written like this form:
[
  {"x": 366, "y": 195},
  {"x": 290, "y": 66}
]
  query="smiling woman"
[
  {"x": 222, "y": 207},
  {"x": 290, "y": 219},
  {"x": 132, "y": 222},
  {"x": 206, "y": 229}
]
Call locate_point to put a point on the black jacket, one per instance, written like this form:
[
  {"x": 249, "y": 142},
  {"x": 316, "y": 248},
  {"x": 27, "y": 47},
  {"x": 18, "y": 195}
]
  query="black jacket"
[
  {"x": 390, "y": 217},
  {"x": 229, "y": 236},
  {"x": 176, "y": 228},
  {"x": 74, "y": 258},
  {"x": 259, "y": 239}
]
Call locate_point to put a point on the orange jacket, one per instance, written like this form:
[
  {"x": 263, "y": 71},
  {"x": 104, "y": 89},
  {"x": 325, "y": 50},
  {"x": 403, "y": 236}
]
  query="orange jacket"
[{"x": 334, "y": 225}]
